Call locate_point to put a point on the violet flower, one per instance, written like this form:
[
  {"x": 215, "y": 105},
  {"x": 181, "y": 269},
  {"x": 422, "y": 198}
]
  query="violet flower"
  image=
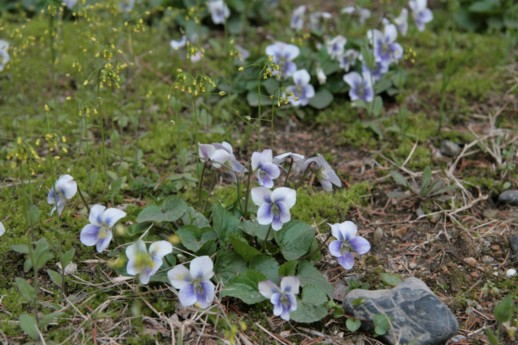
[
  {"x": 98, "y": 233},
  {"x": 219, "y": 11},
  {"x": 283, "y": 299},
  {"x": 297, "y": 18},
  {"x": 347, "y": 242},
  {"x": 315, "y": 20},
  {"x": 69, "y": 3},
  {"x": 64, "y": 189},
  {"x": 4, "y": 55},
  {"x": 348, "y": 59},
  {"x": 323, "y": 171},
  {"x": 219, "y": 155},
  {"x": 336, "y": 46},
  {"x": 360, "y": 86},
  {"x": 194, "y": 284},
  {"x": 145, "y": 263},
  {"x": 2, "y": 229},
  {"x": 302, "y": 90},
  {"x": 421, "y": 13},
  {"x": 379, "y": 70},
  {"x": 401, "y": 22},
  {"x": 267, "y": 171},
  {"x": 283, "y": 55},
  {"x": 386, "y": 50},
  {"x": 274, "y": 207}
]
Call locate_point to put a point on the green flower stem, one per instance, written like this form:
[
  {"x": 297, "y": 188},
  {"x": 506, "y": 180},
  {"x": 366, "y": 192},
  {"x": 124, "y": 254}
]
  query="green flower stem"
[
  {"x": 248, "y": 190},
  {"x": 83, "y": 199},
  {"x": 200, "y": 182},
  {"x": 266, "y": 238},
  {"x": 288, "y": 173}
]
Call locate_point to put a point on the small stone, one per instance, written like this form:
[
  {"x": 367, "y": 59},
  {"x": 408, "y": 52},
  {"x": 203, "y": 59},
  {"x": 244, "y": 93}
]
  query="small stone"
[
  {"x": 509, "y": 197},
  {"x": 471, "y": 261},
  {"x": 412, "y": 265},
  {"x": 449, "y": 148},
  {"x": 513, "y": 243},
  {"x": 510, "y": 273},
  {"x": 417, "y": 315}
]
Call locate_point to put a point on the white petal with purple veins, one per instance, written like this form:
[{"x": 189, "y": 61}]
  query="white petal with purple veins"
[
  {"x": 348, "y": 230},
  {"x": 201, "y": 268},
  {"x": 134, "y": 249},
  {"x": 360, "y": 245},
  {"x": 353, "y": 79},
  {"x": 207, "y": 297},
  {"x": 287, "y": 195},
  {"x": 268, "y": 288},
  {"x": 335, "y": 231},
  {"x": 90, "y": 235},
  {"x": 261, "y": 195},
  {"x": 112, "y": 216},
  {"x": 301, "y": 77},
  {"x": 160, "y": 249},
  {"x": 179, "y": 276},
  {"x": 103, "y": 243},
  {"x": 264, "y": 214},
  {"x": 335, "y": 248},
  {"x": 390, "y": 32},
  {"x": 205, "y": 151},
  {"x": 276, "y": 223},
  {"x": 347, "y": 261},
  {"x": 187, "y": 295},
  {"x": 67, "y": 186},
  {"x": 96, "y": 214},
  {"x": 290, "y": 285}
]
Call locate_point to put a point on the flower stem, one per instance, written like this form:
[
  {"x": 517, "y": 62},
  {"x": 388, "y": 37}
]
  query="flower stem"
[
  {"x": 200, "y": 182},
  {"x": 266, "y": 238},
  {"x": 288, "y": 173},
  {"x": 310, "y": 254},
  {"x": 247, "y": 191},
  {"x": 83, "y": 198}
]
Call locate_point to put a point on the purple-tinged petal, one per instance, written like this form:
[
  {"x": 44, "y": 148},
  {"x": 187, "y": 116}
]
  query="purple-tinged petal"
[
  {"x": 287, "y": 195},
  {"x": 220, "y": 157},
  {"x": 301, "y": 77},
  {"x": 271, "y": 169},
  {"x": 261, "y": 195},
  {"x": 112, "y": 216},
  {"x": 290, "y": 285},
  {"x": 67, "y": 186},
  {"x": 276, "y": 223},
  {"x": 90, "y": 235},
  {"x": 202, "y": 268},
  {"x": 335, "y": 248},
  {"x": 96, "y": 214},
  {"x": 265, "y": 214},
  {"x": 335, "y": 231},
  {"x": 347, "y": 261},
  {"x": 206, "y": 298},
  {"x": 160, "y": 249},
  {"x": 289, "y": 68},
  {"x": 284, "y": 212},
  {"x": 144, "y": 276},
  {"x": 360, "y": 245},
  {"x": 268, "y": 288},
  {"x": 328, "y": 187},
  {"x": 264, "y": 180},
  {"x": 132, "y": 268},
  {"x": 353, "y": 79},
  {"x": 390, "y": 33},
  {"x": 104, "y": 242},
  {"x": 187, "y": 295},
  {"x": 348, "y": 230},
  {"x": 179, "y": 276},
  {"x": 2, "y": 229},
  {"x": 205, "y": 151},
  {"x": 256, "y": 160},
  {"x": 61, "y": 206},
  {"x": 51, "y": 197},
  {"x": 277, "y": 305}
]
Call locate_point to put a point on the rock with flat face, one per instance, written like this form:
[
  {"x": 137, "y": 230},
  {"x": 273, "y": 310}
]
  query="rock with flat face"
[
  {"x": 509, "y": 197},
  {"x": 417, "y": 316}
]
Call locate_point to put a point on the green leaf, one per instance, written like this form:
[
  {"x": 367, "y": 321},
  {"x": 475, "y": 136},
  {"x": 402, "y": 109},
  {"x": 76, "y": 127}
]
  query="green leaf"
[
  {"x": 137, "y": 229},
  {"x": 485, "y": 7},
  {"x": 294, "y": 239},
  {"x": 314, "y": 295},
  {"x": 425, "y": 183},
  {"x": 491, "y": 336},
  {"x": 224, "y": 223},
  {"x": 255, "y": 229},
  {"x": 271, "y": 85},
  {"x": 41, "y": 254},
  {"x": 193, "y": 217},
  {"x": 381, "y": 324},
  {"x": 29, "y": 326},
  {"x": 353, "y": 324},
  {"x": 504, "y": 309},
  {"x": 309, "y": 275},
  {"x": 45, "y": 320},
  {"x": 193, "y": 238},
  {"x": 307, "y": 313},
  {"x": 67, "y": 257},
  {"x": 322, "y": 99},
  {"x": 228, "y": 264},
  {"x": 28, "y": 292},
  {"x": 20, "y": 248},
  {"x": 399, "y": 179},
  {"x": 242, "y": 248},
  {"x": 55, "y": 277},
  {"x": 288, "y": 268},
  {"x": 32, "y": 215},
  {"x": 378, "y": 106},
  {"x": 267, "y": 266},
  {"x": 245, "y": 287},
  {"x": 390, "y": 279},
  {"x": 171, "y": 209}
]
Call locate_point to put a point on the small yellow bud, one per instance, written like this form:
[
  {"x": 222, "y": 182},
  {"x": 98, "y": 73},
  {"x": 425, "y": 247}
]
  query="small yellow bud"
[
  {"x": 241, "y": 69},
  {"x": 222, "y": 93}
]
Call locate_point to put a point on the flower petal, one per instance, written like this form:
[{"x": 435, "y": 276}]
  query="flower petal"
[
  {"x": 112, "y": 216},
  {"x": 144, "y": 276},
  {"x": 134, "y": 249},
  {"x": 267, "y": 288},
  {"x": 261, "y": 195},
  {"x": 347, "y": 261},
  {"x": 271, "y": 169},
  {"x": 301, "y": 77},
  {"x": 96, "y": 214},
  {"x": 353, "y": 79},
  {"x": 335, "y": 230},
  {"x": 265, "y": 214},
  {"x": 159, "y": 249},
  {"x": 206, "y": 298},
  {"x": 390, "y": 32},
  {"x": 202, "y": 268},
  {"x": 277, "y": 223},
  {"x": 287, "y": 195},
  {"x": 90, "y": 235},
  {"x": 348, "y": 230},
  {"x": 290, "y": 285},
  {"x": 220, "y": 157},
  {"x": 67, "y": 186},
  {"x": 187, "y": 295},
  {"x": 103, "y": 243},
  {"x": 360, "y": 245},
  {"x": 205, "y": 151},
  {"x": 2, "y": 229},
  {"x": 335, "y": 248},
  {"x": 132, "y": 268},
  {"x": 179, "y": 276}
]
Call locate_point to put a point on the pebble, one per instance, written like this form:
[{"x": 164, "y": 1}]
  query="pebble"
[
  {"x": 509, "y": 197},
  {"x": 449, "y": 148},
  {"x": 412, "y": 265},
  {"x": 417, "y": 316},
  {"x": 510, "y": 273},
  {"x": 513, "y": 243}
]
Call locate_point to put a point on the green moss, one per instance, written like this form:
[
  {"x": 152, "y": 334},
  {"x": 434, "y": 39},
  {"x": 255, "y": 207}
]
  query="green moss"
[
  {"x": 318, "y": 206},
  {"x": 358, "y": 136},
  {"x": 421, "y": 158}
]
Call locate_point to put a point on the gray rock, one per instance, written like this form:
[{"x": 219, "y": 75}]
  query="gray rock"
[
  {"x": 509, "y": 197},
  {"x": 449, "y": 148},
  {"x": 417, "y": 316},
  {"x": 513, "y": 243}
]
